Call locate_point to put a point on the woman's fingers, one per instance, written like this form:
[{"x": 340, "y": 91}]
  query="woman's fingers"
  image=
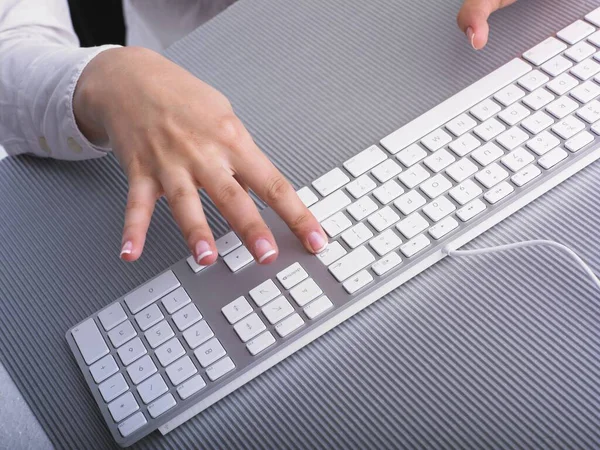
[
  {"x": 143, "y": 192},
  {"x": 473, "y": 16}
]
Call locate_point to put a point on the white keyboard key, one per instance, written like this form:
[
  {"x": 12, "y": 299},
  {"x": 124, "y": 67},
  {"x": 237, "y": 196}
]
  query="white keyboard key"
[
  {"x": 289, "y": 325},
  {"x": 332, "y": 253},
  {"x": 436, "y": 140},
  {"x": 533, "y": 80},
  {"x": 465, "y": 192},
  {"x": 277, "y": 309},
  {"x": 586, "y": 69},
  {"x": 386, "y": 170},
  {"x": 537, "y": 123},
  {"x": 112, "y": 316},
  {"x": 411, "y": 155},
  {"x": 486, "y": 109},
  {"x": 159, "y": 334},
  {"x": 113, "y": 387},
  {"x": 358, "y": 281},
  {"x": 387, "y": 192},
  {"x": 552, "y": 158},
  {"x": 594, "y": 17},
  {"x": 526, "y": 175},
  {"x": 436, "y": 186},
  {"x": 557, "y": 65},
  {"x": 103, "y": 368},
  {"x": 580, "y": 51},
  {"x": 121, "y": 334},
  {"x": 538, "y": 99},
  {"x": 439, "y": 208},
  {"x": 141, "y": 369},
  {"x": 461, "y": 170},
  {"x": 169, "y": 352},
  {"x": 543, "y": 143},
  {"x": 575, "y": 32},
  {"x": 292, "y": 275},
  {"x": 514, "y": 114},
  {"x": 590, "y": 112},
  {"x": 387, "y": 263},
  {"x": 579, "y": 141},
  {"x": 89, "y": 341},
  {"x": 385, "y": 242},
  {"x": 509, "y": 95},
  {"x": 363, "y": 162},
  {"x": 236, "y": 310},
  {"x": 132, "y": 424},
  {"x": 122, "y": 407},
  {"x": 264, "y": 293},
  {"x": 487, "y": 154},
  {"x": 190, "y": 387},
  {"x": 152, "y": 388},
  {"x": 413, "y": 176},
  {"x": 383, "y": 218},
  {"x": 260, "y": 343},
  {"x": 562, "y": 84},
  {"x": 542, "y": 52},
  {"x": 491, "y": 175},
  {"x": 186, "y": 317},
  {"x": 133, "y": 350},
  {"x": 470, "y": 210},
  {"x": 357, "y": 235},
  {"x": 330, "y": 182},
  {"x": 161, "y": 405},
  {"x": 596, "y": 128},
  {"x": 442, "y": 228},
  {"x": 148, "y": 317},
  {"x": 361, "y": 186},
  {"x": 330, "y": 205},
  {"x": 198, "y": 334},
  {"x": 351, "y": 263},
  {"x": 595, "y": 38},
  {"x": 439, "y": 160},
  {"x": 512, "y": 138},
  {"x": 181, "y": 370},
  {"x": 415, "y": 245},
  {"x": 361, "y": 208},
  {"x": 460, "y": 125},
  {"x": 212, "y": 351},
  {"x": 238, "y": 259},
  {"x": 227, "y": 243},
  {"x": 307, "y": 196},
  {"x": 248, "y": 327},
  {"x": 562, "y": 107},
  {"x": 219, "y": 369},
  {"x": 586, "y": 92},
  {"x": 497, "y": 193},
  {"x": 151, "y": 291},
  {"x": 464, "y": 145},
  {"x": 517, "y": 159},
  {"x": 489, "y": 129},
  {"x": 412, "y": 225},
  {"x": 305, "y": 292},
  {"x": 318, "y": 307},
  {"x": 409, "y": 202},
  {"x": 194, "y": 265},
  {"x": 568, "y": 127},
  {"x": 176, "y": 300}
]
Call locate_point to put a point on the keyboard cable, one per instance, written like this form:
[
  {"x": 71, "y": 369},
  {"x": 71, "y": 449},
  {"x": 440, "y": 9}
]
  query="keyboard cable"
[{"x": 538, "y": 242}]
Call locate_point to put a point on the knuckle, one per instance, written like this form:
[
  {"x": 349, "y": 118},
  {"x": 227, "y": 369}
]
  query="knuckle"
[
  {"x": 179, "y": 195},
  {"x": 135, "y": 206},
  {"x": 226, "y": 194},
  {"x": 300, "y": 222},
  {"x": 277, "y": 189},
  {"x": 250, "y": 229},
  {"x": 230, "y": 130}
]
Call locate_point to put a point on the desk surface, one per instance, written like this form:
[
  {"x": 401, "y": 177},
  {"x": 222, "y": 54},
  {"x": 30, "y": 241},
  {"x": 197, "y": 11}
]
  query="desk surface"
[{"x": 488, "y": 352}]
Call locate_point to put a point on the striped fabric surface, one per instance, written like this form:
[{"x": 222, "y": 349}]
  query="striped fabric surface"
[{"x": 498, "y": 351}]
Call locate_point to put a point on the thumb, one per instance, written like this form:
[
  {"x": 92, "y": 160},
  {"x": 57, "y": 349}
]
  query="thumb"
[{"x": 473, "y": 16}]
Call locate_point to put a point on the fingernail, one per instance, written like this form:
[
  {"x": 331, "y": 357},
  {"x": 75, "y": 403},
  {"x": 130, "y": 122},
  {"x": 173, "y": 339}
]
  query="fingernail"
[
  {"x": 317, "y": 242},
  {"x": 202, "y": 250},
  {"x": 471, "y": 37},
  {"x": 263, "y": 249},
  {"x": 126, "y": 249}
]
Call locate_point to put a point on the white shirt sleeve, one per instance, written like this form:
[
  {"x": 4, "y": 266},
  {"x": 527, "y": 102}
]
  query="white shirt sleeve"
[{"x": 40, "y": 64}]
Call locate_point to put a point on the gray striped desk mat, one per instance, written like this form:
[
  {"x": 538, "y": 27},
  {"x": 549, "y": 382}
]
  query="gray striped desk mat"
[{"x": 497, "y": 351}]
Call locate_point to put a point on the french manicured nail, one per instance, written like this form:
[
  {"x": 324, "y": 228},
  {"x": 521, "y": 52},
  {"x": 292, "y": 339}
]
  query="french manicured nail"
[
  {"x": 471, "y": 37},
  {"x": 263, "y": 249},
  {"x": 317, "y": 242},
  {"x": 202, "y": 251},
  {"x": 126, "y": 249}
]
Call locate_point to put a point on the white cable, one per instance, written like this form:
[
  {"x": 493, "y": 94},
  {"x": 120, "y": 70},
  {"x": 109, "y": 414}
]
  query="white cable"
[{"x": 500, "y": 248}]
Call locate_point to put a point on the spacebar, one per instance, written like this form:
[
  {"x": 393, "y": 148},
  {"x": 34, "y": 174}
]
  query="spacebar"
[{"x": 455, "y": 105}]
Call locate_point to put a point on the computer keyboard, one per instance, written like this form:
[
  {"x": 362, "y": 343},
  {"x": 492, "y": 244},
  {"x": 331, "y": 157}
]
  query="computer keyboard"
[{"x": 177, "y": 344}]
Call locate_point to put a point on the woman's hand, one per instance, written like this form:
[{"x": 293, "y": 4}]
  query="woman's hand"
[
  {"x": 473, "y": 16},
  {"x": 174, "y": 134}
]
